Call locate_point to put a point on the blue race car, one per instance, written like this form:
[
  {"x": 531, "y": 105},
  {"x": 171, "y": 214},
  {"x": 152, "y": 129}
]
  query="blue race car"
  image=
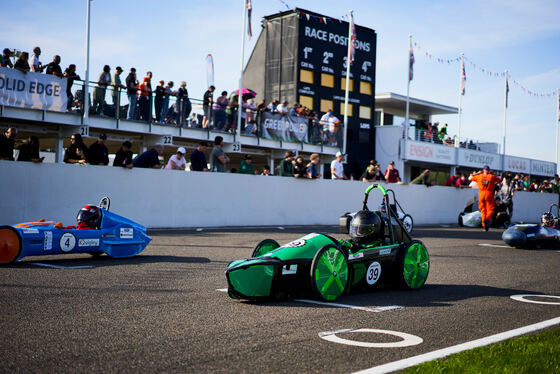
[{"x": 98, "y": 231}]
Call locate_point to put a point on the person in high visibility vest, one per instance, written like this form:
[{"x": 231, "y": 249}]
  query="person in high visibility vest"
[{"x": 486, "y": 182}]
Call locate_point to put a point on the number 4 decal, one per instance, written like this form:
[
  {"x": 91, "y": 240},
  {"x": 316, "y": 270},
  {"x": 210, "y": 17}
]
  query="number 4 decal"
[{"x": 67, "y": 242}]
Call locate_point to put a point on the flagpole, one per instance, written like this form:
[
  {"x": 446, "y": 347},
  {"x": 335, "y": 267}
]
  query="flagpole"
[
  {"x": 458, "y": 140},
  {"x": 557, "y": 124},
  {"x": 505, "y": 121},
  {"x": 240, "y": 92},
  {"x": 86, "y": 87},
  {"x": 406, "y": 121},
  {"x": 346, "y": 94}
]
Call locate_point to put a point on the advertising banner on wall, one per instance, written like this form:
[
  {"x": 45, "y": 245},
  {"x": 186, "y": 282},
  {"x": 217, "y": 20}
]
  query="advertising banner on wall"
[
  {"x": 422, "y": 151},
  {"x": 477, "y": 159},
  {"x": 32, "y": 90},
  {"x": 543, "y": 168},
  {"x": 277, "y": 126},
  {"x": 517, "y": 164}
]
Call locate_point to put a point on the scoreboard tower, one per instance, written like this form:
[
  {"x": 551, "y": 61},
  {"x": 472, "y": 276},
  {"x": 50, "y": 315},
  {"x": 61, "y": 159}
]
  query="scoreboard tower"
[{"x": 301, "y": 56}]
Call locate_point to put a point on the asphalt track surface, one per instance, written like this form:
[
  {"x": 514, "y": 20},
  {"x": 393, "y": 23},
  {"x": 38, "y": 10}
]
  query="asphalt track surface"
[{"x": 161, "y": 311}]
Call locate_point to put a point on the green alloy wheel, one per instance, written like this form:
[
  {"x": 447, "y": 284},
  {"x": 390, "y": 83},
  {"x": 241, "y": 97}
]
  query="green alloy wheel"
[
  {"x": 329, "y": 273},
  {"x": 415, "y": 265},
  {"x": 264, "y": 247}
]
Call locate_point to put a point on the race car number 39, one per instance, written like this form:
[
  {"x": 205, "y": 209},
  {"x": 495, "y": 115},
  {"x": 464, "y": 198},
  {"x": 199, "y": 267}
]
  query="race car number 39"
[{"x": 373, "y": 273}]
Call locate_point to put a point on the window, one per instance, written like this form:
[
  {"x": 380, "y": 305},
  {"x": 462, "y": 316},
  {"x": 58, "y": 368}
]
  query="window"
[
  {"x": 306, "y": 76},
  {"x": 306, "y": 101},
  {"x": 365, "y": 112},
  {"x": 326, "y": 105},
  {"x": 327, "y": 80},
  {"x": 350, "y": 109},
  {"x": 365, "y": 88},
  {"x": 343, "y": 85}
]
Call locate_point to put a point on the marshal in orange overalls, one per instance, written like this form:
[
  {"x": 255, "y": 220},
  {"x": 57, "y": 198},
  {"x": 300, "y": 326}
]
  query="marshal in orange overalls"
[{"x": 486, "y": 183}]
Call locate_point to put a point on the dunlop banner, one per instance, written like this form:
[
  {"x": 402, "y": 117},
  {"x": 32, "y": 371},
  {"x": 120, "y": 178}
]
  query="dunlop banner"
[
  {"x": 277, "y": 126},
  {"x": 32, "y": 90}
]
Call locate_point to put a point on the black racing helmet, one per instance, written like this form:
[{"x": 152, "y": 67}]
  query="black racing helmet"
[
  {"x": 89, "y": 217},
  {"x": 547, "y": 219},
  {"x": 365, "y": 227}
]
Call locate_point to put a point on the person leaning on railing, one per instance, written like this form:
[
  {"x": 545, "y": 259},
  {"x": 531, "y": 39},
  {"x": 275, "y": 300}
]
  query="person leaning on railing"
[
  {"x": 22, "y": 63},
  {"x": 131, "y": 90},
  {"x": 70, "y": 74},
  {"x": 103, "y": 81},
  {"x": 76, "y": 153},
  {"x": 5, "y": 61}
]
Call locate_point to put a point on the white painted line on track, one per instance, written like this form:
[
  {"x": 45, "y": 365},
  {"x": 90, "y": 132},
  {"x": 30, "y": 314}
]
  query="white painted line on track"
[
  {"x": 221, "y": 289},
  {"x": 61, "y": 266},
  {"x": 522, "y": 298},
  {"x": 440, "y": 353},
  {"x": 494, "y": 245},
  {"x": 407, "y": 339},
  {"x": 374, "y": 309}
]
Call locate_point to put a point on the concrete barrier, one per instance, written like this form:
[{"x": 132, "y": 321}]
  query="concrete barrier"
[{"x": 174, "y": 199}]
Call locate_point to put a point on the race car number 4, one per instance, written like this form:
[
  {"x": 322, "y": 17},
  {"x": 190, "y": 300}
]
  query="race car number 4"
[
  {"x": 67, "y": 242},
  {"x": 373, "y": 273}
]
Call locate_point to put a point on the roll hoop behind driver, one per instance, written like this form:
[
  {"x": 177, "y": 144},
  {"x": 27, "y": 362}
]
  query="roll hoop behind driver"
[{"x": 486, "y": 182}]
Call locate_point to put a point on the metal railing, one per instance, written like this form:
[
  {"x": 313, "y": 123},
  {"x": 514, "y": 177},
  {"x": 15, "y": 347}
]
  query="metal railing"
[{"x": 445, "y": 139}]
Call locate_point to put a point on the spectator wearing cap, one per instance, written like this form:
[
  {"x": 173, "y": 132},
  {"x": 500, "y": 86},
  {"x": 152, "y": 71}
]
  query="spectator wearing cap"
[
  {"x": 246, "y": 165},
  {"x": 149, "y": 159},
  {"x": 131, "y": 90},
  {"x": 70, "y": 74},
  {"x": 218, "y": 158},
  {"x": 7, "y": 144},
  {"x": 53, "y": 68},
  {"x": 5, "y": 61},
  {"x": 313, "y": 167},
  {"x": 198, "y": 158},
  {"x": 337, "y": 168},
  {"x": 287, "y": 165},
  {"x": 158, "y": 99},
  {"x": 392, "y": 174},
  {"x": 177, "y": 161},
  {"x": 103, "y": 81},
  {"x": 117, "y": 86},
  {"x": 98, "y": 154},
  {"x": 123, "y": 157},
  {"x": 36, "y": 65}
]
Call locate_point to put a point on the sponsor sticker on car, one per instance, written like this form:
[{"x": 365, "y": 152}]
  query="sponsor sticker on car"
[
  {"x": 126, "y": 232},
  {"x": 386, "y": 251},
  {"x": 48, "y": 241},
  {"x": 88, "y": 243},
  {"x": 357, "y": 255},
  {"x": 30, "y": 231}
]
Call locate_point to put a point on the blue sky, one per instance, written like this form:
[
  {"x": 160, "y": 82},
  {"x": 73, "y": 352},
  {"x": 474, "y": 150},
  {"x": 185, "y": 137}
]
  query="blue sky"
[{"x": 173, "y": 37}]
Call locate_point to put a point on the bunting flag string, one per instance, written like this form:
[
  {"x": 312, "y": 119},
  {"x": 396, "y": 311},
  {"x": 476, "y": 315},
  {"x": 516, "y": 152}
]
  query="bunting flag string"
[{"x": 483, "y": 70}]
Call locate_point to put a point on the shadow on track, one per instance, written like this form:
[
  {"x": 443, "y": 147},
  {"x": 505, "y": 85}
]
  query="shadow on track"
[{"x": 102, "y": 261}]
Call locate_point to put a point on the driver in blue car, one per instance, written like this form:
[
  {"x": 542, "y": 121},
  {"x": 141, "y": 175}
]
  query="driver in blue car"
[{"x": 89, "y": 218}]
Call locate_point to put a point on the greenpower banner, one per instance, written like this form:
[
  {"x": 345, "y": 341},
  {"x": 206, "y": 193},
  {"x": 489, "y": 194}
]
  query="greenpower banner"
[
  {"x": 283, "y": 127},
  {"x": 32, "y": 90}
]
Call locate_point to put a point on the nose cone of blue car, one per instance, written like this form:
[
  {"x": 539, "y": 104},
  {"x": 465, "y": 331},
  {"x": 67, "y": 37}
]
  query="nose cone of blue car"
[{"x": 514, "y": 237}]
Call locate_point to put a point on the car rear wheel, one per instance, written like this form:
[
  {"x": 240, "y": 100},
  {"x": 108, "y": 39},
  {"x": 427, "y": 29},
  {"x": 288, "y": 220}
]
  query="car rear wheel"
[
  {"x": 264, "y": 247},
  {"x": 415, "y": 265},
  {"x": 408, "y": 223},
  {"x": 329, "y": 273},
  {"x": 10, "y": 244}
]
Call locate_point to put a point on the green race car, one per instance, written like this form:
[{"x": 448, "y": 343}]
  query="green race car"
[{"x": 379, "y": 252}]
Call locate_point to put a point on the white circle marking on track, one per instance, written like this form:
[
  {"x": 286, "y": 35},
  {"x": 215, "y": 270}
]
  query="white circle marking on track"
[
  {"x": 407, "y": 339},
  {"x": 522, "y": 298}
]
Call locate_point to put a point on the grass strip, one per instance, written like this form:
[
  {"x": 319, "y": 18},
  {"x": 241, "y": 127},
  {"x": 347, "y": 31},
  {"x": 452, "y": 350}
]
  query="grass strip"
[{"x": 538, "y": 353}]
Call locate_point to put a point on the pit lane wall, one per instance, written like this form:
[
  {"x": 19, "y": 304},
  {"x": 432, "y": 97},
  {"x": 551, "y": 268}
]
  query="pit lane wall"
[{"x": 173, "y": 199}]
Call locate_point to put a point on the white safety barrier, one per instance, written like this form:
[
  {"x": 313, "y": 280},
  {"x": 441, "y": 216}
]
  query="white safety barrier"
[{"x": 174, "y": 199}]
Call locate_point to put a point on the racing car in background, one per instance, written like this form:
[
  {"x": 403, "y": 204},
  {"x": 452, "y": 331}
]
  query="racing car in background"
[
  {"x": 379, "y": 252},
  {"x": 98, "y": 231},
  {"x": 545, "y": 234}
]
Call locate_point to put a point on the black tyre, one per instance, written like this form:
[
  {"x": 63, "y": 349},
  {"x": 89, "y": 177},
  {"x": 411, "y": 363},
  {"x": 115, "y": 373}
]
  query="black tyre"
[
  {"x": 264, "y": 247},
  {"x": 408, "y": 223},
  {"x": 329, "y": 273},
  {"x": 460, "y": 219}
]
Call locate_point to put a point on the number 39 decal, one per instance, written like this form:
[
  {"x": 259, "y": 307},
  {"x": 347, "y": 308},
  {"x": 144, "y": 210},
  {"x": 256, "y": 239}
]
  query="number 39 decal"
[{"x": 373, "y": 273}]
